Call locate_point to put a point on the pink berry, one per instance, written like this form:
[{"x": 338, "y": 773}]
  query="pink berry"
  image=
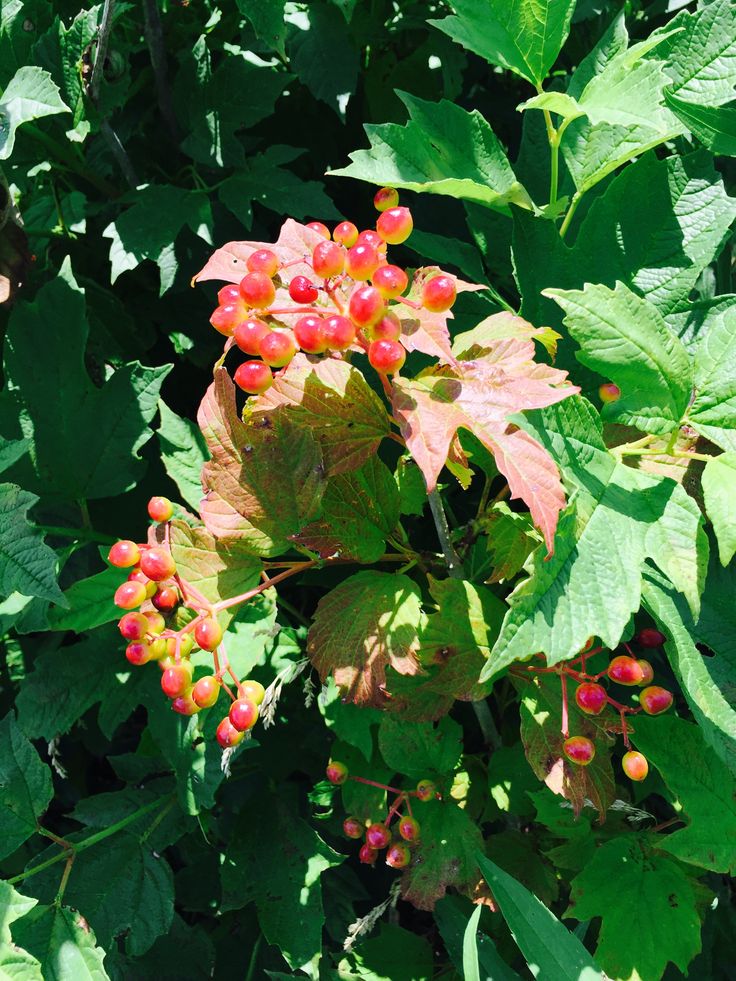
[
  {"x": 647, "y": 671},
  {"x": 229, "y": 294},
  {"x": 158, "y": 563},
  {"x": 579, "y": 749},
  {"x": 377, "y": 835},
  {"x": 129, "y": 595},
  {"x": 309, "y": 333},
  {"x": 249, "y": 333},
  {"x": 361, "y": 262},
  {"x": 388, "y": 328},
  {"x": 206, "y": 691},
  {"x": 124, "y": 554},
  {"x": 176, "y": 679},
  {"x": 352, "y": 828},
  {"x": 390, "y": 281},
  {"x": 345, "y": 234},
  {"x": 208, "y": 634},
  {"x": 253, "y": 377},
  {"x": 409, "y": 829},
  {"x": 328, "y": 260},
  {"x": 367, "y": 855},
  {"x": 263, "y": 261},
  {"x": 426, "y": 791},
  {"x": 395, "y": 225},
  {"x": 387, "y": 357},
  {"x": 303, "y": 290},
  {"x": 398, "y": 855},
  {"x": 318, "y": 227},
  {"x": 635, "y": 765},
  {"x": 138, "y": 652},
  {"x": 336, "y": 772},
  {"x": 243, "y": 714},
  {"x": 257, "y": 290},
  {"x": 339, "y": 333},
  {"x": 625, "y": 670},
  {"x": 133, "y": 626},
  {"x": 385, "y": 198},
  {"x": 227, "y": 735},
  {"x": 649, "y": 637},
  {"x": 439, "y": 293},
  {"x": 252, "y": 690},
  {"x": 591, "y": 698},
  {"x": 366, "y": 306},
  {"x": 369, "y": 237},
  {"x": 608, "y": 392},
  {"x": 655, "y": 700},
  {"x": 226, "y": 317},
  {"x": 160, "y": 509},
  {"x": 277, "y": 348},
  {"x": 184, "y": 704}
]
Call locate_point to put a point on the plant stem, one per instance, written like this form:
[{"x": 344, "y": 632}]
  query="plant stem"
[
  {"x": 491, "y": 736},
  {"x": 454, "y": 566},
  {"x": 570, "y": 212},
  {"x": 101, "y": 50},
  {"x": 244, "y": 597}
]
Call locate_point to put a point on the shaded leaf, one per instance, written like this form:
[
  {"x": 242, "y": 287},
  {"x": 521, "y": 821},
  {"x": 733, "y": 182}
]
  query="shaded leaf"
[
  {"x": 419, "y": 749},
  {"x": 26, "y": 787},
  {"x": 714, "y": 126},
  {"x": 183, "y": 453},
  {"x": 62, "y": 941},
  {"x": 325, "y": 57},
  {"x": 27, "y": 565}
]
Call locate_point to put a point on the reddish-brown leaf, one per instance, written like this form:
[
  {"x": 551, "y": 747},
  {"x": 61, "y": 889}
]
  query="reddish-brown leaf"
[
  {"x": 422, "y": 330},
  {"x": 295, "y": 241}
]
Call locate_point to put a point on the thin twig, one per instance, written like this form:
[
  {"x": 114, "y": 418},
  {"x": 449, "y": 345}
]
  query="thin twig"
[
  {"x": 103, "y": 39},
  {"x": 454, "y": 566},
  {"x": 157, "y": 49}
]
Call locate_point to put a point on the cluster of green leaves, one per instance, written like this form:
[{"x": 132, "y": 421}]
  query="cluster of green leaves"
[{"x": 574, "y": 163}]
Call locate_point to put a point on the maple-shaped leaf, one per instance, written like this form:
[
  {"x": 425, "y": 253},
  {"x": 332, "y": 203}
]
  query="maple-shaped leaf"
[
  {"x": 368, "y": 622},
  {"x": 480, "y": 396},
  {"x": 541, "y": 733},
  {"x": 421, "y": 329},
  {"x": 334, "y": 402},
  {"x": 264, "y": 481},
  {"x": 295, "y": 241},
  {"x": 473, "y": 343}
]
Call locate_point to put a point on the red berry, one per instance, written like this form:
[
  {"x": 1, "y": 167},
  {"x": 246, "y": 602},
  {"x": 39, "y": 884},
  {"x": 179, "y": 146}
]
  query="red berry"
[
  {"x": 426, "y": 790},
  {"x": 229, "y": 294},
  {"x": 625, "y": 670},
  {"x": 138, "y": 652},
  {"x": 336, "y": 772},
  {"x": 591, "y": 698},
  {"x": 388, "y": 328},
  {"x": 176, "y": 678},
  {"x": 156, "y": 623},
  {"x": 124, "y": 554},
  {"x": 635, "y": 765},
  {"x": 579, "y": 749},
  {"x": 249, "y": 333},
  {"x": 390, "y": 281},
  {"x": 257, "y": 290},
  {"x": 339, "y": 333},
  {"x": 409, "y": 829},
  {"x": 277, "y": 348},
  {"x": 395, "y": 225},
  {"x": 385, "y": 198},
  {"x": 655, "y": 700},
  {"x": 133, "y": 626},
  {"x": 309, "y": 332},
  {"x": 227, "y": 735},
  {"x": 608, "y": 392},
  {"x": 387, "y": 357},
  {"x": 185, "y": 704},
  {"x": 398, "y": 855},
  {"x": 328, "y": 260},
  {"x": 137, "y": 576},
  {"x": 649, "y": 637},
  {"x": 158, "y": 563},
  {"x": 243, "y": 714},
  {"x": 166, "y": 599},
  {"x": 160, "y": 509},
  {"x": 226, "y": 317},
  {"x": 439, "y": 293},
  {"x": 206, "y": 691},
  {"x": 263, "y": 261},
  {"x": 318, "y": 227},
  {"x": 367, "y": 855},
  {"x": 366, "y": 306},
  {"x": 208, "y": 634},
  {"x": 303, "y": 290},
  {"x": 648, "y": 671},
  {"x": 377, "y": 835},
  {"x": 361, "y": 262},
  {"x": 352, "y": 827},
  {"x": 369, "y": 237},
  {"x": 252, "y": 690},
  {"x": 346, "y": 234},
  {"x": 253, "y": 377},
  {"x": 129, "y": 595}
]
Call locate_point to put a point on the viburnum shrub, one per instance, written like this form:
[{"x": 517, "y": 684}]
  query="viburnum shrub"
[{"x": 383, "y": 626}]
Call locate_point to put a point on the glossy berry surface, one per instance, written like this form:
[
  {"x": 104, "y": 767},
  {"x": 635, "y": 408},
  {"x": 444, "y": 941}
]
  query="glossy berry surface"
[
  {"x": 257, "y": 290},
  {"x": 318, "y": 227},
  {"x": 249, "y": 333},
  {"x": 367, "y": 855},
  {"x": 252, "y": 690},
  {"x": 133, "y": 626},
  {"x": 608, "y": 392},
  {"x": 138, "y": 652},
  {"x": 129, "y": 595},
  {"x": 439, "y": 293},
  {"x": 624, "y": 670},
  {"x": 352, "y": 828},
  {"x": 253, "y": 377},
  {"x": 426, "y": 790},
  {"x": 206, "y": 691},
  {"x": 158, "y": 563},
  {"x": 229, "y": 294},
  {"x": 339, "y": 333},
  {"x": 655, "y": 700},
  {"x": 388, "y": 328},
  {"x": 328, "y": 260},
  {"x": 409, "y": 829},
  {"x": 590, "y": 698},
  {"x": 649, "y": 637},
  {"x": 647, "y": 671},
  {"x": 366, "y": 306},
  {"x": 263, "y": 261},
  {"x": 361, "y": 262},
  {"x": 388, "y": 357},
  {"x": 579, "y": 750},
  {"x": 208, "y": 634},
  {"x": 160, "y": 509},
  {"x": 390, "y": 281},
  {"x": 398, "y": 855},
  {"x": 277, "y": 348},
  {"x": 184, "y": 704},
  {"x": 166, "y": 599},
  {"x": 124, "y": 554},
  {"x": 176, "y": 679},
  {"x": 156, "y": 622},
  {"x": 303, "y": 290},
  {"x": 336, "y": 772},
  {"x": 227, "y": 735},
  {"x": 309, "y": 333},
  {"x": 346, "y": 233},
  {"x": 226, "y": 317},
  {"x": 243, "y": 714},
  {"x": 395, "y": 225},
  {"x": 371, "y": 237},
  {"x": 377, "y": 835},
  {"x": 635, "y": 765},
  {"x": 385, "y": 198}
]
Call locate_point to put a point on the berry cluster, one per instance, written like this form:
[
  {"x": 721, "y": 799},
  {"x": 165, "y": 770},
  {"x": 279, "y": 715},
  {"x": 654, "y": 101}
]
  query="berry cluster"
[
  {"x": 378, "y": 835},
  {"x": 349, "y": 304},
  {"x": 593, "y": 699},
  {"x": 157, "y": 599}
]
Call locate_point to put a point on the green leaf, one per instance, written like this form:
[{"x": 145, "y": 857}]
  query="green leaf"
[
  {"x": 27, "y": 565},
  {"x": 702, "y": 784},
  {"x": 714, "y": 126},
  {"x": 360, "y": 511},
  {"x": 325, "y": 57},
  {"x": 12, "y": 450},
  {"x": 624, "y": 339},
  {"x": 89, "y": 603},
  {"x": 350, "y": 723},
  {"x": 716, "y": 628},
  {"x": 446, "y": 855},
  {"x": 719, "y": 493},
  {"x": 395, "y": 954},
  {"x": 287, "y": 892},
  {"x": 19, "y": 965},
  {"x": 441, "y": 150},
  {"x": 12, "y": 907},
  {"x": 700, "y": 58},
  {"x": 511, "y": 539},
  {"x": 447, "y": 252},
  {"x": 371, "y": 620},
  {"x": 103, "y": 427},
  {"x": 30, "y": 94},
  {"x": 218, "y": 569},
  {"x": 183, "y": 453},
  {"x": 555, "y": 953},
  {"x": 26, "y": 787},
  {"x": 657, "y": 889},
  {"x": 625, "y": 515},
  {"x": 62, "y": 941},
  {"x": 558, "y": 102},
  {"x": 268, "y": 22},
  {"x": 412, "y": 489},
  {"x": 454, "y": 925},
  {"x": 713, "y": 411},
  {"x": 149, "y": 228},
  {"x": 419, "y": 749},
  {"x": 524, "y": 36}
]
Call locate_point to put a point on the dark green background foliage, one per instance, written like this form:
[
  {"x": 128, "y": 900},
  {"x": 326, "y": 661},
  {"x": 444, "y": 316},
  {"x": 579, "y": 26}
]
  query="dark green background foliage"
[{"x": 212, "y": 123}]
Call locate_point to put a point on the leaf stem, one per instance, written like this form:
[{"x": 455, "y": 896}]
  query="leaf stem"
[
  {"x": 454, "y": 565},
  {"x": 576, "y": 198}
]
